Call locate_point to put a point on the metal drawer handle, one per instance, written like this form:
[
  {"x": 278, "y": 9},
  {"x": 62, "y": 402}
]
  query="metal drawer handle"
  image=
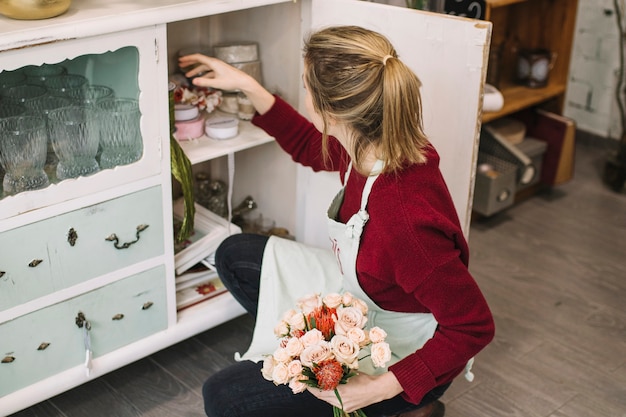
[
  {"x": 43, "y": 346},
  {"x": 118, "y": 316},
  {"x": 147, "y": 305},
  {"x": 72, "y": 236},
  {"x": 8, "y": 359},
  {"x": 35, "y": 262},
  {"x": 116, "y": 241}
]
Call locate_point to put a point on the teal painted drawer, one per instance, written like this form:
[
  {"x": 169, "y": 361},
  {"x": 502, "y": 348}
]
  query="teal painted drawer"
[
  {"x": 56, "y": 253},
  {"x": 48, "y": 341}
]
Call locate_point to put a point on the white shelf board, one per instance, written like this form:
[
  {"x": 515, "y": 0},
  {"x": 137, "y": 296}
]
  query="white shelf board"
[{"x": 205, "y": 148}]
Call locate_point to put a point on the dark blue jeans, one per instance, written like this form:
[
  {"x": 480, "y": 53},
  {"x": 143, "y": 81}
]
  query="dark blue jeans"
[{"x": 240, "y": 390}]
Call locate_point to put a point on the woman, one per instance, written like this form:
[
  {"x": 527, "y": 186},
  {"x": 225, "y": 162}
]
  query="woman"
[{"x": 395, "y": 234}]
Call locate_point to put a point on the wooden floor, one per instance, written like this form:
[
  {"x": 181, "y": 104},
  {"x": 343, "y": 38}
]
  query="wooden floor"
[{"x": 553, "y": 269}]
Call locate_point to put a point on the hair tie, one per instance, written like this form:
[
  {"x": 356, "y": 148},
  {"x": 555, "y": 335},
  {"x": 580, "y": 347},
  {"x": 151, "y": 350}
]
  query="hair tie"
[{"x": 386, "y": 58}]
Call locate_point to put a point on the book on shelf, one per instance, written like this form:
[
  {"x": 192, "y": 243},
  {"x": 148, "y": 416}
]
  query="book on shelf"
[
  {"x": 196, "y": 288},
  {"x": 209, "y": 231}
]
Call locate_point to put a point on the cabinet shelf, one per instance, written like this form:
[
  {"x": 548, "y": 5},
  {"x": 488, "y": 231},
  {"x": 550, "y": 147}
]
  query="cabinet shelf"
[
  {"x": 204, "y": 148},
  {"x": 518, "y": 97}
]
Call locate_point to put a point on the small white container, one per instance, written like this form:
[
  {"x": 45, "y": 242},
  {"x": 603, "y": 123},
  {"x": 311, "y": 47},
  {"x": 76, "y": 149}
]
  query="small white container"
[
  {"x": 221, "y": 127},
  {"x": 184, "y": 112}
]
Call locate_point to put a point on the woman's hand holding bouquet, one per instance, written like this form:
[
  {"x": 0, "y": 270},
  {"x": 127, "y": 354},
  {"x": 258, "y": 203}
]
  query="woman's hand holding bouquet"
[{"x": 321, "y": 343}]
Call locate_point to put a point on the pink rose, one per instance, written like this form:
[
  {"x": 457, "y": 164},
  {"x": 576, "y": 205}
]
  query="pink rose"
[
  {"x": 333, "y": 300},
  {"x": 309, "y": 303},
  {"x": 268, "y": 367},
  {"x": 345, "y": 350},
  {"x": 346, "y": 299},
  {"x": 312, "y": 337},
  {"x": 281, "y": 329},
  {"x": 377, "y": 335},
  {"x": 294, "y": 347},
  {"x": 295, "y": 368},
  {"x": 297, "y": 385},
  {"x": 380, "y": 354},
  {"x": 360, "y": 304},
  {"x": 347, "y": 318},
  {"x": 296, "y": 322},
  {"x": 281, "y": 355},
  {"x": 357, "y": 335},
  {"x": 315, "y": 354},
  {"x": 280, "y": 374}
]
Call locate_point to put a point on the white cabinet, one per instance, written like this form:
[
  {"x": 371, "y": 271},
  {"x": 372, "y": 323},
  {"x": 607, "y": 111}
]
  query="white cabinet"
[{"x": 132, "y": 45}]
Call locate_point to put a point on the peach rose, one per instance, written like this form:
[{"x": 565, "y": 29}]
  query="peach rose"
[
  {"x": 377, "y": 335},
  {"x": 295, "y": 368},
  {"x": 294, "y": 347},
  {"x": 281, "y": 355},
  {"x": 280, "y": 374},
  {"x": 380, "y": 354},
  {"x": 357, "y": 335},
  {"x": 268, "y": 367},
  {"x": 297, "y": 385},
  {"x": 309, "y": 303},
  {"x": 345, "y": 350},
  {"x": 347, "y": 298},
  {"x": 347, "y": 318},
  {"x": 332, "y": 300},
  {"x": 281, "y": 329},
  {"x": 296, "y": 322},
  {"x": 315, "y": 354},
  {"x": 360, "y": 304},
  {"x": 312, "y": 337}
]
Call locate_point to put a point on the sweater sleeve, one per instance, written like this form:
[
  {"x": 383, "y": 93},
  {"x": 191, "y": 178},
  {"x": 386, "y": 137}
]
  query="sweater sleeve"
[
  {"x": 297, "y": 136},
  {"x": 465, "y": 327}
]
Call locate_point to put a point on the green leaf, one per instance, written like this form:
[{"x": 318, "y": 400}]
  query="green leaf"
[{"x": 181, "y": 170}]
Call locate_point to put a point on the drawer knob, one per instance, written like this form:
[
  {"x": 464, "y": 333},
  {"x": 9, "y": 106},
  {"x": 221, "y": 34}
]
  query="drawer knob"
[
  {"x": 116, "y": 241},
  {"x": 72, "y": 236},
  {"x": 147, "y": 305},
  {"x": 119, "y": 316},
  {"x": 81, "y": 321},
  {"x": 2, "y": 274},
  {"x": 43, "y": 346},
  {"x": 35, "y": 262},
  {"x": 8, "y": 359}
]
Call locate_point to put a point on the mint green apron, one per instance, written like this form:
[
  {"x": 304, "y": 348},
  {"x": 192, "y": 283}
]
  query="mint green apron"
[{"x": 292, "y": 270}]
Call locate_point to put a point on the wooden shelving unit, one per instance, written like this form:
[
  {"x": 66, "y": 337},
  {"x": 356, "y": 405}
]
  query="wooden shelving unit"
[{"x": 530, "y": 24}]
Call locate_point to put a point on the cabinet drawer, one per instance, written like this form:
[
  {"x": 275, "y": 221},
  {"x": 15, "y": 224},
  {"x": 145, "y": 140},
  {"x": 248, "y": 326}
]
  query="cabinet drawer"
[
  {"x": 120, "y": 313},
  {"x": 44, "y": 257}
]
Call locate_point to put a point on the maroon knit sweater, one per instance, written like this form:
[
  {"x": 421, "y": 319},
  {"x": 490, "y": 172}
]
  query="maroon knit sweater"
[{"x": 412, "y": 256}]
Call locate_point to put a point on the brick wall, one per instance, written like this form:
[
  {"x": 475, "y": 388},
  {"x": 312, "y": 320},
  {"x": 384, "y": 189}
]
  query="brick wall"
[{"x": 590, "y": 98}]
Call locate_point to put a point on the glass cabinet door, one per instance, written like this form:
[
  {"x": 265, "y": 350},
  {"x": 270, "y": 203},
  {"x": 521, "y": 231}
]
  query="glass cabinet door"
[{"x": 79, "y": 116}]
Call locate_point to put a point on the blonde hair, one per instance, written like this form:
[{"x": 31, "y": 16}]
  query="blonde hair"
[{"x": 354, "y": 76}]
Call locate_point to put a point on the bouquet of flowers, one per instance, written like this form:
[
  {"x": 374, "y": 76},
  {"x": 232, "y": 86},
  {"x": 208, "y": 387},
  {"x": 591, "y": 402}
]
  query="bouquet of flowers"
[{"x": 321, "y": 343}]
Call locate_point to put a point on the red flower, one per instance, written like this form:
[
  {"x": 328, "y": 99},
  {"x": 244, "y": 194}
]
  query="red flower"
[
  {"x": 205, "y": 289},
  {"x": 328, "y": 374},
  {"x": 323, "y": 319}
]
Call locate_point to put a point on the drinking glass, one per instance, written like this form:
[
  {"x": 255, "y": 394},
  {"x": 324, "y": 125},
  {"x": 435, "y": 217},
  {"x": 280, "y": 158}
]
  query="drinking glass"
[
  {"x": 74, "y": 132},
  {"x": 23, "y": 94},
  {"x": 120, "y": 133},
  {"x": 23, "y": 153},
  {"x": 42, "y": 106},
  {"x": 91, "y": 94},
  {"x": 11, "y": 79},
  {"x": 65, "y": 84},
  {"x": 8, "y": 109},
  {"x": 38, "y": 74}
]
